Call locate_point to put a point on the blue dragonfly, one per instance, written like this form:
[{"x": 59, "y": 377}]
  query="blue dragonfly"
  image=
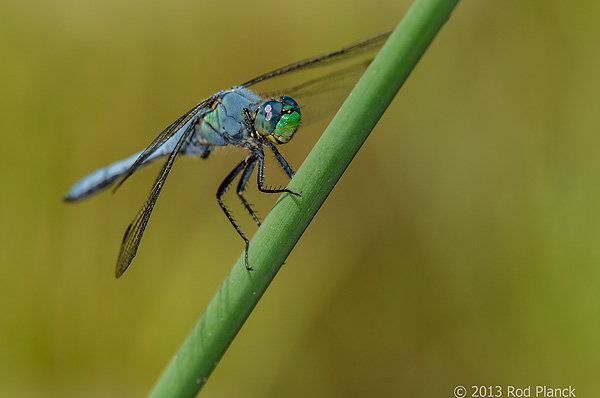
[{"x": 242, "y": 117}]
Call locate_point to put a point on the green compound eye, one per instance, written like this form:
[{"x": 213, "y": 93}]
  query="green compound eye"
[{"x": 278, "y": 119}]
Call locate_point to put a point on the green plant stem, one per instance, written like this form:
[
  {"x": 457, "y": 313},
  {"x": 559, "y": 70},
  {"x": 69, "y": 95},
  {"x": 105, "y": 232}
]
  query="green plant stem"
[{"x": 190, "y": 368}]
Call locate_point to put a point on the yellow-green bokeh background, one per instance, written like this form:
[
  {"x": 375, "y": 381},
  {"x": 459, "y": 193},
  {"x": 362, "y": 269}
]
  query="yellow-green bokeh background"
[{"x": 461, "y": 247}]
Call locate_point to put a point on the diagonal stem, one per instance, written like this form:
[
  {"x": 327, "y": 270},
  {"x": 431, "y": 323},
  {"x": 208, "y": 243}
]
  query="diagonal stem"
[{"x": 191, "y": 366}]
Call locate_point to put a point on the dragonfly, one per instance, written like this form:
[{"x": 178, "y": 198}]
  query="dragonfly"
[{"x": 240, "y": 116}]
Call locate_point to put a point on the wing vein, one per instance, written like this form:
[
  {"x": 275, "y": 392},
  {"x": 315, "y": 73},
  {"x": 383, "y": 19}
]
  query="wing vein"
[
  {"x": 161, "y": 139},
  {"x": 133, "y": 234}
]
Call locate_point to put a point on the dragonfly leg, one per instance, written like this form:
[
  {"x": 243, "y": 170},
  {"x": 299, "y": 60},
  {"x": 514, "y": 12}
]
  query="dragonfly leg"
[
  {"x": 284, "y": 164},
  {"x": 250, "y": 159},
  {"x": 242, "y": 186}
]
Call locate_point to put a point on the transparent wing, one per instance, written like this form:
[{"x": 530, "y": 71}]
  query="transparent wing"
[
  {"x": 324, "y": 95},
  {"x": 163, "y": 137},
  {"x": 133, "y": 234},
  {"x": 352, "y": 50},
  {"x": 328, "y": 80}
]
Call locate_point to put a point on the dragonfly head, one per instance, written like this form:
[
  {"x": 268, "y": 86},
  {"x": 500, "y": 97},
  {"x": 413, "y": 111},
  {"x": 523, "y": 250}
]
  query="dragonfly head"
[{"x": 278, "y": 119}]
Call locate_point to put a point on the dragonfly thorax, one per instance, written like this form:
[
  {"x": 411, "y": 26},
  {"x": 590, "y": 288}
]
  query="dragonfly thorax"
[{"x": 278, "y": 119}]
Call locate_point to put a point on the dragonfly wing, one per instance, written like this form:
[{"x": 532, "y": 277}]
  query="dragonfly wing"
[
  {"x": 163, "y": 137},
  {"x": 341, "y": 54},
  {"x": 323, "y": 95},
  {"x": 133, "y": 234}
]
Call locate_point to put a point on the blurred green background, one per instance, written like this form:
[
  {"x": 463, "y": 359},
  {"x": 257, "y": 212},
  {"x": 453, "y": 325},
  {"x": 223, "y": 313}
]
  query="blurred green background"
[{"x": 460, "y": 247}]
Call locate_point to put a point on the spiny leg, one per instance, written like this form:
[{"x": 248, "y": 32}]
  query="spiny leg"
[
  {"x": 242, "y": 186},
  {"x": 284, "y": 164},
  {"x": 250, "y": 159},
  {"x": 261, "y": 166}
]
